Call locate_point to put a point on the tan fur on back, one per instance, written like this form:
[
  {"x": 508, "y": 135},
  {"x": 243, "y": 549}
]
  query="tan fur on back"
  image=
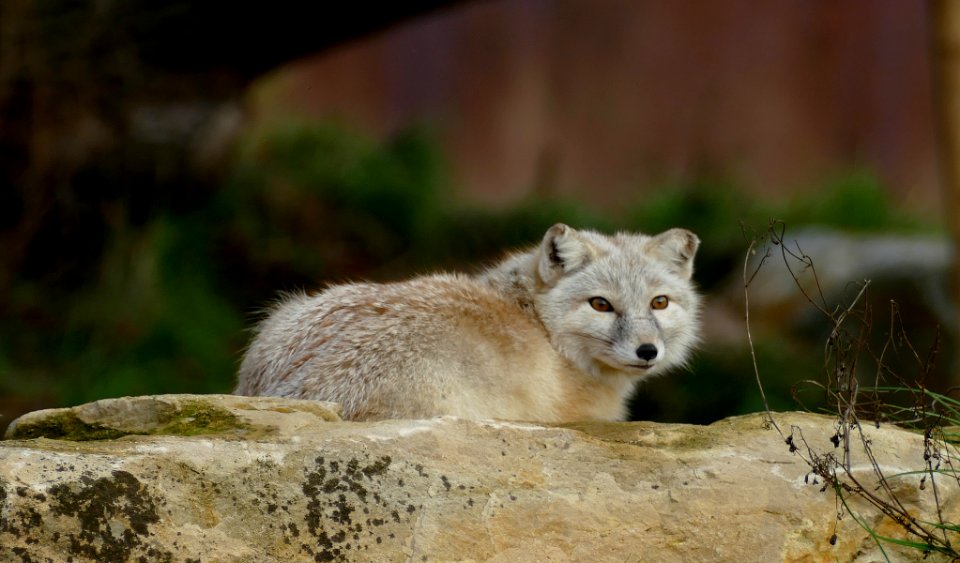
[{"x": 520, "y": 341}]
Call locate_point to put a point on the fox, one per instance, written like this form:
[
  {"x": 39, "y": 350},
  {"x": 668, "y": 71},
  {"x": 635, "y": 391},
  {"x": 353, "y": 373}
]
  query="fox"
[{"x": 562, "y": 331}]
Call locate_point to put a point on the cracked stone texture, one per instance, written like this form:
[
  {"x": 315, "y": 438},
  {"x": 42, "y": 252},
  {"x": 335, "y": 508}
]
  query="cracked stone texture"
[{"x": 224, "y": 478}]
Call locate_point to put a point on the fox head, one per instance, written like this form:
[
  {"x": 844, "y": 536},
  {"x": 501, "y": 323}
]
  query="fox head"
[{"x": 622, "y": 304}]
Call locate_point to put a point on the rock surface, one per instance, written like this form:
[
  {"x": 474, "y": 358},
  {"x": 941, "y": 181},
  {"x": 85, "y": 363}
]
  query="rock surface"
[{"x": 223, "y": 478}]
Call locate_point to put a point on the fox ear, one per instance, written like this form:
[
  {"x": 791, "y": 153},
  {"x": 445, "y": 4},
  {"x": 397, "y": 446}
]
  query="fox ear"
[
  {"x": 562, "y": 250},
  {"x": 678, "y": 247}
]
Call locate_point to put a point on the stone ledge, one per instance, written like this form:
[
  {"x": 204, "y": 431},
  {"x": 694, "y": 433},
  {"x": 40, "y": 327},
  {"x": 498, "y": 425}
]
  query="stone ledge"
[{"x": 285, "y": 481}]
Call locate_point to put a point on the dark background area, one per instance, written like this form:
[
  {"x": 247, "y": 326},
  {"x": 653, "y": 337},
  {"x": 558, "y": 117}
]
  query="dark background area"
[{"x": 166, "y": 168}]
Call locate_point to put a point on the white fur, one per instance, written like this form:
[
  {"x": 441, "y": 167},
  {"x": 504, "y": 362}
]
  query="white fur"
[{"x": 520, "y": 341}]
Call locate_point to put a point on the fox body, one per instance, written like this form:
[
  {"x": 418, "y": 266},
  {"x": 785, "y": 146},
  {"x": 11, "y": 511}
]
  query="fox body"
[{"x": 560, "y": 332}]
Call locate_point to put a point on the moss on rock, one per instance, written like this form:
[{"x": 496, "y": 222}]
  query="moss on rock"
[
  {"x": 179, "y": 416},
  {"x": 199, "y": 417},
  {"x": 63, "y": 425}
]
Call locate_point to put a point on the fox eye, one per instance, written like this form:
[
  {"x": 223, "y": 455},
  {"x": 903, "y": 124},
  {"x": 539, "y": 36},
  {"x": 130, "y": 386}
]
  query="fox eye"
[
  {"x": 600, "y": 304},
  {"x": 659, "y": 302}
]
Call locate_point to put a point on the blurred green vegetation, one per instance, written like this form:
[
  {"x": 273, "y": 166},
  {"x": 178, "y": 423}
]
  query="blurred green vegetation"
[{"x": 166, "y": 306}]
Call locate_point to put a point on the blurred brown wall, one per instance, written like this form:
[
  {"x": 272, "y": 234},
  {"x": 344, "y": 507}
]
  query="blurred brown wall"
[{"x": 607, "y": 99}]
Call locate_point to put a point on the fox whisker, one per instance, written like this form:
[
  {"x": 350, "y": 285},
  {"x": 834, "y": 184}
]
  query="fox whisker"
[{"x": 606, "y": 341}]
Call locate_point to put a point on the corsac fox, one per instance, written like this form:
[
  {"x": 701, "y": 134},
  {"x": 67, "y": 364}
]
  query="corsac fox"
[{"x": 560, "y": 332}]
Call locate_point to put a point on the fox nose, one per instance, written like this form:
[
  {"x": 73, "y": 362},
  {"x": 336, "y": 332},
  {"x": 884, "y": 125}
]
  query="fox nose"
[{"x": 647, "y": 352}]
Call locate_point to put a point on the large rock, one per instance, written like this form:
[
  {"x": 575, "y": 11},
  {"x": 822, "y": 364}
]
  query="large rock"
[
  {"x": 222, "y": 478},
  {"x": 919, "y": 263}
]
